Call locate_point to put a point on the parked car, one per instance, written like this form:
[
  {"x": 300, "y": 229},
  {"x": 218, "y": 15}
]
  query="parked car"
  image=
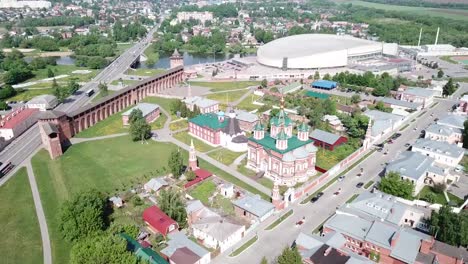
[
  {"x": 300, "y": 222},
  {"x": 407, "y": 145},
  {"x": 341, "y": 178},
  {"x": 359, "y": 185},
  {"x": 316, "y": 197},
  {"x": 337, "y": 192}
]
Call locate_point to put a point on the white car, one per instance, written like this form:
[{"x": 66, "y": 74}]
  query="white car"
[{"x": 341, "y": 178}]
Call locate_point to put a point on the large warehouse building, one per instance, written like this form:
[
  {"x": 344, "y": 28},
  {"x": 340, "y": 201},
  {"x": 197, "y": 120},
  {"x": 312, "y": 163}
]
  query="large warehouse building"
[{"x": 317, "y": 51}]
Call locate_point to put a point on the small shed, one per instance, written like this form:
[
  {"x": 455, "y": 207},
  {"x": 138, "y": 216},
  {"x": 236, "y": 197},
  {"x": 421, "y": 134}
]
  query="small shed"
[
  {"x": 326, "y": 139},
  {"x": 227, "y": 190}
]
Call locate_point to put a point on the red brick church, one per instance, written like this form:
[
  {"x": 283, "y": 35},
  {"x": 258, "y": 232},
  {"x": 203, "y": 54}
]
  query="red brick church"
[{"x": 285, "y": 158}]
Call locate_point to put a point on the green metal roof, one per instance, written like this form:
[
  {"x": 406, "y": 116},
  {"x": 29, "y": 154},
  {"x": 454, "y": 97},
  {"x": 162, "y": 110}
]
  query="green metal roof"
[
  {"x": 282, "y": 135},
  {"x": 280, "y": 118},
  {"x": 209, "y": 120},
  {"x": 270, "y": 143},
  {"x": 259, "y": 126},
  {"x": 143, "y": 253},
  {"x": 317, "y": 95},
  {"x": 303, "y": 127},
  {"x": 292, "y": 86}
]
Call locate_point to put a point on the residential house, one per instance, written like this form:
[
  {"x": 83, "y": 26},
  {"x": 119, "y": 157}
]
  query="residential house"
[
  {"x": 383, "y": 123},
  {"x": 334, "y": 122},
  {"x": 451, "y": 135},
  {"x": 399, "y": 104},
  {"x": 443, "y": 153},
  {"x": 43, "y": 102},
  {"x": 378, "y": 227},
  {"x": 154, "y": 185},
  {"x": 17, "y": 121},
  {"x": 181, "y": 250},
  {"x": 253, "y": 208},
  {"x": 158, "y": 221},
  {"x": 144, "y": 253},
  {"x": 150, "y": 112},
  {"x": 419, "y": 169},
  {"x": 450, "y": 120},
  {"x": 246, "y": 119},
  {"x": 326, "y": 139},
  {"x": 205, "y": 105},
  {"x": 417, "y": 95},
  {"x": 213, "y": 230}
]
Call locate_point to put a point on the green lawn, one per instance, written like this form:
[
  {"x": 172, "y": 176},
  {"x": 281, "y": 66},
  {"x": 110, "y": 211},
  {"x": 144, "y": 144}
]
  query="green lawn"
[
  {"x": 224, "y": 203},
  {"x": 227, "y": 97},
  {"x": 199, "y": 145},
  {"x": 247, "y": 103},
  {"x": 352, "y": 198},
  {"x": 152, "y": 54},
  {"x": 250, "y": 173},
  {"x": 369, "y": 184},
  {"x": 203, "y": 191},
  {"x": 178, "y": 125},
  {"x": 145, "y": 72},
  {"x": 159, "y": 123},
  {"x": 280, "y": 220},
  {"x": 225, "y": 156},
  {"x": 445, "y": 13},
  {"x": 223, "y": 86},
  {"x": 326, "y": 159},
  {"x": 26, "y": 95},
  {"x": 64, "y": 69},
  {"x": 165, "y": 103},
  {"x": 244, "y": 246},
  {"x": 108, "y": 126},
  {"x": 20, "y": 235},
  {"x": 120, "y": 164},
  {"x": 439, "y": 197},
  {"x": 448, "y": 59},
  {"x": 122, "y": 47}
]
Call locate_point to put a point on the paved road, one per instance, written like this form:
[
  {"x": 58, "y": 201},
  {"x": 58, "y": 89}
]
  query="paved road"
[
  {"x": 270, "y": 243},
  {"x": 46, "y": 250}
]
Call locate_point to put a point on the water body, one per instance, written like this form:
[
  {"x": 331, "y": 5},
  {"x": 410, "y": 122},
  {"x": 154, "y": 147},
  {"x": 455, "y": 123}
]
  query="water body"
[
  {"x": 63, "y": 60},
  {"x": 190, "y": 59}
]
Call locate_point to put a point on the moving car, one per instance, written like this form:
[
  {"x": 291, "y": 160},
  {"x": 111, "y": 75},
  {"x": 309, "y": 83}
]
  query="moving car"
[
  {"x": 341, "y": 178},
  {"x": 359, "y": 185},
  {"x": 407, "y": 145},
  {"x": 337, "y": 192}
]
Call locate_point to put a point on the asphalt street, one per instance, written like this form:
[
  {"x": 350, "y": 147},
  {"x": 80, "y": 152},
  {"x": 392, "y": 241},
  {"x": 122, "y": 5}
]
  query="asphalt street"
[{"x": 271, "y": 243}]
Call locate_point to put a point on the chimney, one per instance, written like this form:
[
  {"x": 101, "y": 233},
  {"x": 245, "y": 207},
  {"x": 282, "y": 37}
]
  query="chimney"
[
  {"x": 327, "y": 251},
  {"x": 394, "y": 240}
]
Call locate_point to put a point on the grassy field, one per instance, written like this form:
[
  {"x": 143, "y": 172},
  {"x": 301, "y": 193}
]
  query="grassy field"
[
  {"x": 445, "y": 13},
  {"x": 80, "y": 168},
  {"x": 109, "y": 126},
  {"x": 21, "y": 238},
  {"x": 62, "y": 70},
  {"x": 179, "y": 124},
  {"x": 247, "y": 103},
  {"x": 122, "y": 47},
  {"x": 165, "y": 103},
  {"x": 225, "y": 156},
  {"x": 227, "y": 97},
  {"x": 203, "y": 191},
  {"x": 145, "y": 72},
  {"x": 223, "y": 86},
  {"x": 439, "y": 197},
  {"x": 199, "y": 145},
  {"x": 26, "y": 95}
]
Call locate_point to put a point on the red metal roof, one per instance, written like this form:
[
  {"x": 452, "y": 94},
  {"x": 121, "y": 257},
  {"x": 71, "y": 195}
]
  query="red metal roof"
[
  {"x": 16, "y": 117},
  {"x": 158, "y": 220},
  {"x": 201, "y": 176}
]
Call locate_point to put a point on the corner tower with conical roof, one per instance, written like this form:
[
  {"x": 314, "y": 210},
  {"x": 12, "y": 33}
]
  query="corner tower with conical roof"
[{"x": 176, "y": 59}]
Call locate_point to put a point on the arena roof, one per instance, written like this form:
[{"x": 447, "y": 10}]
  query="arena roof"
[{"x": 315, "y": 50}]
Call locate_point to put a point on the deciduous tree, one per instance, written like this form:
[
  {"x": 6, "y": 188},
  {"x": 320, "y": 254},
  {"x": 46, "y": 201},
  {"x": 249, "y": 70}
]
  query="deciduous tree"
[
  {"x": 175, "y": 163},
  {"x": 394, "y": 185},
  {"x": 82, "y": 215},
  {"x": 450, "y": 227},
  {"x": 171, "y": 203}
]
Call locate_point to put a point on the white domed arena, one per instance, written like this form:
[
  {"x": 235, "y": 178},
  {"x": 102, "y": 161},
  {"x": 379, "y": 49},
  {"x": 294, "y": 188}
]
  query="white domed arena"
[{"x": 316, "y": 51}]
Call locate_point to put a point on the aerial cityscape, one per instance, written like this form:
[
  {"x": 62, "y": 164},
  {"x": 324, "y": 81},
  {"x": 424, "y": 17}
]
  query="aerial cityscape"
[{"x": 234, "y": 132}]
